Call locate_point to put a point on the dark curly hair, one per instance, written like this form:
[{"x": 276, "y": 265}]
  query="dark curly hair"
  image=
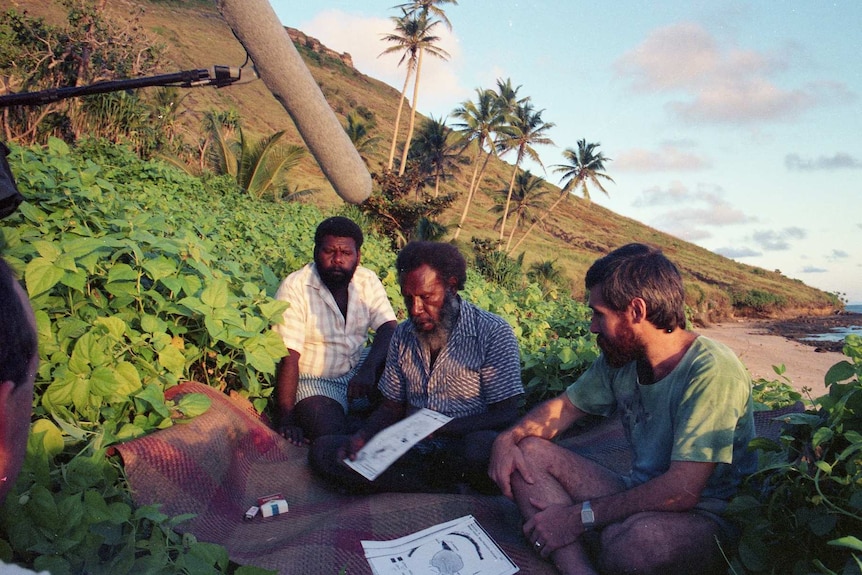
[
  {"x": 339, "y": 227},
  {"x": 443, "y": 258},
  {"x": 641, "y": 271}
]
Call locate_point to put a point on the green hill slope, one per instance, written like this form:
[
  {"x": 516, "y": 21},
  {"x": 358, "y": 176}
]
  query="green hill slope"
[{"x": 195, "y": 36}]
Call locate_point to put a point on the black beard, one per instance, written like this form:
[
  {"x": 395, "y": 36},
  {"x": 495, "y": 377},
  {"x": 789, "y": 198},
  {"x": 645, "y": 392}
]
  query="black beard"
[
  {"x": 336, "y": 279},
  {"x": 437, "y": 338}
]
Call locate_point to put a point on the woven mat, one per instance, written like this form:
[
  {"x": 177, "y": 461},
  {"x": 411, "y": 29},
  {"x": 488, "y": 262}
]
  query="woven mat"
[{"x": 217, "y": 465}]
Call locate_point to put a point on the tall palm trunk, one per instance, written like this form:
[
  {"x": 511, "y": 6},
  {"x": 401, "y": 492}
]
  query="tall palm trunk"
[
  {"x": 469, "y": 193},
  {"x": 509, "y": 197},
  {"x": 514, "y": 227},
  {"x": 412, "y": 114},
  {"x": 474, "y": 185},
  {"x": 540, "y": 220},
  {"x": 398, "y": 119}
]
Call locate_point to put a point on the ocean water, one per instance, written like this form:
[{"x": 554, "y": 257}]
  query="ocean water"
[{"x": 839, "y": 333}]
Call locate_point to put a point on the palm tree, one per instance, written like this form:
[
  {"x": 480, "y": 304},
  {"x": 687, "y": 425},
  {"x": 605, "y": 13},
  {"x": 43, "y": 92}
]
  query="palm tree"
[
  {"x": 359, "y": 131},
  {"x": 412, "y": 37},
  {"x": 437, "y": 151},
  {"x": 546, "y": 274},
  {"x": 431, "y": 7},
  {"x": 585, "y": 165},
  {"x": 528, "y": 130},
  {"x": 258, "y": 166},
  {"x": 527, "y": 194},
  {"x": 480, "y": 122}
]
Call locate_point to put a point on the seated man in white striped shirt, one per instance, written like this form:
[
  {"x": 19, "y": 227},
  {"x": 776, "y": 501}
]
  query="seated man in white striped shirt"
[
  {"x": 334, "y": 303},
  {"x": 451, "y": 357}
]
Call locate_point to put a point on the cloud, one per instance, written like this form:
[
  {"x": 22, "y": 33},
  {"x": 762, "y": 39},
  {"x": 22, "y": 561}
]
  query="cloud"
[
  {"x": 361, "y": 37},
  {"x": 736, "y": 253},
  {"x": 774, "y": 241},
  {"x": 720, "y": 84},
  {"x": 838, "y": 255},
  {"x": 708, "y": 206},
  {"x": 668, "y": 157},
  {"x": 813, "y": 270},
  {"x": 835, "y": 162}
]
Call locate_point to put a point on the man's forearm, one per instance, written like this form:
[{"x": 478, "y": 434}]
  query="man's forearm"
[
  {"x": 676, "y": 490},
  {"x": 499, "y": 416},
  {"x": 287, "y": 381},
  {"x": 546, "y": 420}
]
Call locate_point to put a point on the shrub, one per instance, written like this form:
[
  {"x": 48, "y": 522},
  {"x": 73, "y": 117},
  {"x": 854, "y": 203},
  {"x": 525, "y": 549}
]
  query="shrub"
[{"x": 802, "y": 511}]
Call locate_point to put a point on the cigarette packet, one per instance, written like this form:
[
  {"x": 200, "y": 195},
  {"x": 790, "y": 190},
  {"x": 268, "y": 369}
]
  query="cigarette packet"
[{"x": 274, "y": 507}]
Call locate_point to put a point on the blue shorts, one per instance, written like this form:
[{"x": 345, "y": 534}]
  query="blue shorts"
[{"x": 331, "y": 387}]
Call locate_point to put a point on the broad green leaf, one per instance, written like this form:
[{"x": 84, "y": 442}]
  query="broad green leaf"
[
  {"x": 59, "y": 392},
  {"x": 122, "y": 273},
  {"x": 821, "y": 436},
  {"x": 272, "y": 309},
  {"x": 194, "y": 404},
  {"x": 152, "y": 324},
  {"x": 216, "y": 294},
  {"x": 76, "y": 280},
  {"x": 160, "y": 267},
  {"x": 48, "y": 436},
  {"x": 115, "y": 326},
  {"x": 90, "y": 351},
  {"x": 48, "y": 250},
  {"x": 849, "y": 541},
  {"x": 41, "y": 275},
  {"x": 172, "y": 360},
  {"x": 841, "y": 371},
  {"x": 153, "y": 396}
]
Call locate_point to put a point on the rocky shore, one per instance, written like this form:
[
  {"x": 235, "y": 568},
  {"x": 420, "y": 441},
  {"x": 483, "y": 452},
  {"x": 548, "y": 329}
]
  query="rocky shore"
[{"x": 799, "y": 328}]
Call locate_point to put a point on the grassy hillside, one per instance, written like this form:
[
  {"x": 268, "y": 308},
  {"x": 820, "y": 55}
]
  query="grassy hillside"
[{"x": 195, "y": 36}]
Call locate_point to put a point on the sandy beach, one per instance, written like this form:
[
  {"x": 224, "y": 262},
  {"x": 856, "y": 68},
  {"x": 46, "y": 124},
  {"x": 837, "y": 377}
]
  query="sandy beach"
[{"x": 759, "y": 350}]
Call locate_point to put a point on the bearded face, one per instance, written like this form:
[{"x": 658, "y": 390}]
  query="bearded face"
[
  {"x": 432, "y": 305},
  {"x": 621, "y": 347},
  {"x": 336, "y": 260},
  {"x": 614, "y": 333}
]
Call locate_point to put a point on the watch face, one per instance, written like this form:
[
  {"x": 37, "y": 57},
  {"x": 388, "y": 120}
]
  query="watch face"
[{"x": 588, "y": 518}]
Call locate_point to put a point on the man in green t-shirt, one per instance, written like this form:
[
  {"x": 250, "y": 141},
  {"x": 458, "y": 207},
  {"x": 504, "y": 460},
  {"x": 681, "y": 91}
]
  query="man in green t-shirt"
[{"x": 685, "y": 404}]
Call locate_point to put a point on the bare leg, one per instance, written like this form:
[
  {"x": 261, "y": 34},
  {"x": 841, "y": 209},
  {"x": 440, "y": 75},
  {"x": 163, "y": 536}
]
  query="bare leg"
[
  {"x": 562, "y": 477},
  {"x": 319, "y": 416},
  {"x": 662, "y": 542}
]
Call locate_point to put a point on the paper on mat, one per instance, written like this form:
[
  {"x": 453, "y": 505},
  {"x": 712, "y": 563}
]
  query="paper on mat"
[
  {"x": 460, "y": 546},
  {"x": 391, "y": 443}
]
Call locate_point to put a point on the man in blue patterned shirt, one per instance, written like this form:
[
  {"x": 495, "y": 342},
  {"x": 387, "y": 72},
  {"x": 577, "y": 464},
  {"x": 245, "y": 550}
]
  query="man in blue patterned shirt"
[{"x": 450, "y": 357}]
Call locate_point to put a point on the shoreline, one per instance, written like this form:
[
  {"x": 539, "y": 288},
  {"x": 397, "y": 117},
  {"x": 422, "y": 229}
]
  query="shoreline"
[{"x": 761, "y": 344}]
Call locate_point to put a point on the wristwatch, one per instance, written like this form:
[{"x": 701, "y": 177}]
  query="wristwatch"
[{"x": 588, "y": 518}]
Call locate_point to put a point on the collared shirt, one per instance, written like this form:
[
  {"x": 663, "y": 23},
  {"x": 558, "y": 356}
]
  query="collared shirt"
[
  {"x": 330, "y": 344},
  {"x": 479, "y": 365}
]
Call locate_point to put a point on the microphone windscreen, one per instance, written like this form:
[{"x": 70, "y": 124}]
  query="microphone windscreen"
[{"x": 285, "y": 74}]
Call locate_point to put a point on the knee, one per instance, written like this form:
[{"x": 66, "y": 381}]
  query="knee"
[{"x": 537, "y": 450}]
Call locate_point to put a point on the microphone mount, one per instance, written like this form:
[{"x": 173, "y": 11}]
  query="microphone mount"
[{"x": 218, "y": 76}]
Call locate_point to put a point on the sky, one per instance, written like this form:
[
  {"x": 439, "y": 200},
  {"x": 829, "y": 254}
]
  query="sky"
[{"x": 736, "y": 126}]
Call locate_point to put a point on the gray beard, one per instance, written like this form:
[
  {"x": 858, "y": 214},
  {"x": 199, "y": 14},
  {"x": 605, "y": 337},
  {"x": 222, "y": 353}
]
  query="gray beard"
[{"x": 437, "y": 339}]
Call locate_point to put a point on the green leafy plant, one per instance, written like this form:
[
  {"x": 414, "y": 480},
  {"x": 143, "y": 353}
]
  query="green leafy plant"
[{"x": 802, "y": 511}]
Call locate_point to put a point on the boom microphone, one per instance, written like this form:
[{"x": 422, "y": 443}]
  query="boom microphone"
[{"x": 279, "y": 65}]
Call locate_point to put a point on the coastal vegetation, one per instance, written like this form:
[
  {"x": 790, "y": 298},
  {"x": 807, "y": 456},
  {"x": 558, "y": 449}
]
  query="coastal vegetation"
[{"x": 142, "y": 275}]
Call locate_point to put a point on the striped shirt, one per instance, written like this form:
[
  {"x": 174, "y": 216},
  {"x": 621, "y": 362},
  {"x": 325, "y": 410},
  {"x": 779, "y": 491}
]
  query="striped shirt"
[
  {"x": 480, "y": 365},
  {"x": 329, "y": 344}
]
